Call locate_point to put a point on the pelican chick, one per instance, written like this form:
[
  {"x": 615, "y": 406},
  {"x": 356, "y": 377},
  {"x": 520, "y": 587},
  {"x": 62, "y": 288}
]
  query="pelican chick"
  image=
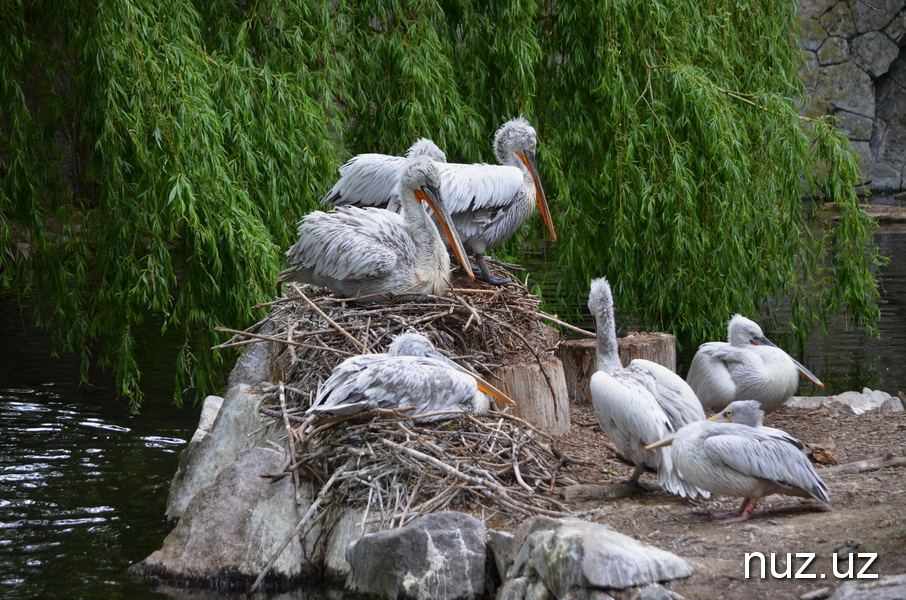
[
  {"x": 365, "y": 251},
  {"x": 488, "y": 203},
  {"x": 746, "y": 367},
  {"x": 412, "y": 374},
  {"x": 639, "y": 403},
  {"x": 733, "y": 454}
]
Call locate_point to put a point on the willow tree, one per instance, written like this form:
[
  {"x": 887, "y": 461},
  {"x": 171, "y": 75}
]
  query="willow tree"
[{"x": 155, "y": 157}]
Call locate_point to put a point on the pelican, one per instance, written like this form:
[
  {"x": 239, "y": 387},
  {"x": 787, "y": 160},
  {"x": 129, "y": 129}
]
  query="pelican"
[
  {"x": 364, "y": 251},
  {"x": 639, "y": 403},
  {"x": 747, "y": 367},
  {"x": 732, "y": 454},
  {"x": 411, "y": 374},
  {"x": 488, "y": 203}
]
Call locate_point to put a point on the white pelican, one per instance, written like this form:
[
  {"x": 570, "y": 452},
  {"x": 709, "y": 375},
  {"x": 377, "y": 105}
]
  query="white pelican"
[
  {"x": 363, "y": 251},
  {"x": 732, "y": 454},
  {"x": 748, "y": 367},
  {"x": 412, "y": 374},
  {"x": 639, "y": 403},
  {"x": 488, "y": 203}
]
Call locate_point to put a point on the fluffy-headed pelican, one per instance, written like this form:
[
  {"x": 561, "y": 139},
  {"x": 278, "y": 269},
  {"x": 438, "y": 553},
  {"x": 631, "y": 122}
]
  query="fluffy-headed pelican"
[
  {"x": 488, "y": 203},
  {"x": 747, "y": 367},
  {"x": 411, "y": 374},
  {"x": 640, "y": 403},
  {"x": 732, "y": 454},
  {"x": 363, "y": 251}
]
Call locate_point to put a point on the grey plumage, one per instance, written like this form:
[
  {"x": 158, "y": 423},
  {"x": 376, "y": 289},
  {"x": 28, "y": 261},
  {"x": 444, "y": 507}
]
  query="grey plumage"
[
  {"x": 733, "y": 454},
  {"x": 640, "y": 403},
  {"x": 746, "y": 367}
]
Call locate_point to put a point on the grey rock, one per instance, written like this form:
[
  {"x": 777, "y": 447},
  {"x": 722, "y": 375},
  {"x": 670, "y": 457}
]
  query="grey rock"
[
  {"x": 813, "y": 34},
  {"x": 209, "y": 411},
  {"x": 833, "y": 51},
  {"x": 819, "y": 594},
  {"x": 528, "y": 588},
  {"x": 839, "y": 21},
  {"x": 855, "y": 127},
  {"x": 847, "y": 403},
  {"x": 500, "y": 543},
  {"x": 812, "y": 9},
  {"x": 229, "y": 437},
  {"x": 440, "y": 556},
  {"x": 233, "y": 527},
  {"x": 885, "y": 587},
  {"x": 874, "y": 15},
  {"x": 845, "y": 86},
  {"x": 874, "y": 52},
  {"x": 570, "y": 554},
  {"x": 257, "y": 362},
  {"x": 896, "y": 29}
]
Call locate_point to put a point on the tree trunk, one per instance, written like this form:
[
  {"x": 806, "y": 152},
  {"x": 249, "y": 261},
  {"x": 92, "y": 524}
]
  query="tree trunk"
[
  {"x": 578, "y": 358},
  {"x": 541, "y": 394}
]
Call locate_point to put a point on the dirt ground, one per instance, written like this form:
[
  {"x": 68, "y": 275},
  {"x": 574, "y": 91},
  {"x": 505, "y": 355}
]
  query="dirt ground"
[{"x": 867, "y": 516}]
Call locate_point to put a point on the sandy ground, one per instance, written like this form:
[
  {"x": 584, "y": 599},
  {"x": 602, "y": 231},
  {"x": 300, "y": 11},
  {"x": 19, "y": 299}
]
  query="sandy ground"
[{"x": 867, "y": 517}]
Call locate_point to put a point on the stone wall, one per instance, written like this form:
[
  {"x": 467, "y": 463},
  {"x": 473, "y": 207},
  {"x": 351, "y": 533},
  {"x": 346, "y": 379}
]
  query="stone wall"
[{"x": 856, "y": 71}]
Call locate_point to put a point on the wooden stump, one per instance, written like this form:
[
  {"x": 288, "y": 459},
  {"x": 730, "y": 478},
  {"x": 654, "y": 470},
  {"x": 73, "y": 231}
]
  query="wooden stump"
[
  {"x": 541, "y": 394},
  {"x": 578, "y": 357}
]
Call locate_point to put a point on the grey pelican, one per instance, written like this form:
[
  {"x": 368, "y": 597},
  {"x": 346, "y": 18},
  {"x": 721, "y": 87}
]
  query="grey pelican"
[
  {"x": 747, "y": 367},
  {"x": 364, "y": 251},
  {"x": 488, "y": 203},
  {"x": 411, "y": 374},
  {"x": 732, "y": 454},
  {"x": 638, "y": 403}
]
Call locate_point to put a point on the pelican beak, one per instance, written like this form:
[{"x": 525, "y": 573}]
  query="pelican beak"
[
  {"x": 431, "y": 196},
  {"x": 805, "y": 373},
  {"x": 660, "y": 443},
  {"x": 718, "y": 418},
  {"x": 529, "y": 159},
  {"x": 483, "y": 385}
]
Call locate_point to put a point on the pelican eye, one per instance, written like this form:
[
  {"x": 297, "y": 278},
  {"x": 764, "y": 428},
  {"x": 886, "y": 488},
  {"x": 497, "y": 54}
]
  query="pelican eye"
[{"x": 728, "y": 413}]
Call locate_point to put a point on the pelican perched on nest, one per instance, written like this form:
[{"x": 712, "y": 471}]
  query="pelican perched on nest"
[
  {"x": 488, "y": 203},
  {"x": 732, "y": 454},
  {"x": 639, "y": 403},
  {"x": 365, "y": 251},
  {"x": 412, "y": 374},
  {"x": 747, "y": 367}
]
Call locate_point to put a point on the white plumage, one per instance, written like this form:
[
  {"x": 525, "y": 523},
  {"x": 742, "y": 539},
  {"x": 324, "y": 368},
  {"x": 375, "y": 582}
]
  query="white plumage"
[
  {"x": 640, "y": 403},
  {"x": 411, "y": 374},
  {"x": 732, "y": 454},
  {"x": 747, "y": 367},
  {"x": 488, "y": 203},
  {"x": 356, "y": 252}
]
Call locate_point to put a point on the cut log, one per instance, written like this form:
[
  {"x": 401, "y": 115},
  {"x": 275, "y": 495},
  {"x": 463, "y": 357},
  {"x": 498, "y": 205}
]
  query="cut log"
[
  {"x": 578, "y": 357},
  {"x": 541, "y": 395}
]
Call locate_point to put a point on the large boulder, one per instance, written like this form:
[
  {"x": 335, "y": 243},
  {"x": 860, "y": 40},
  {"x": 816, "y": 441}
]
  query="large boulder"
[
  {"x": 572, "y": 558},
  {"x": 886, "y": 587},
  {"x": 437, "y": 557}
]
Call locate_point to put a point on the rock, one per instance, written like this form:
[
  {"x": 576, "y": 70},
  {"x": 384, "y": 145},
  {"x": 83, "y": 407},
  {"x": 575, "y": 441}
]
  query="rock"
[
  {"x": 846, "y": 87},
  {"x": 848, "y": 403},
  {"x": 441, "y": 556},
  {"x": 570, "y": 555},
  {"x": 209, "y": 411},
  {"x": 874, "y": 15},
  {"x": 500, "y": 544},
  {"x": 839, "y": 21},
  {"x": 815, "y": 8},
  {"x": 231, "y": 529},
  {"x": 874, "y": 52},
  {"x": 833, "y": 51},
  {"x": 257, "y": 363},
  {"x": 200, "y": 462},
  {"x": 819, "y": 594},
  {"x": 885, "y": 587}
]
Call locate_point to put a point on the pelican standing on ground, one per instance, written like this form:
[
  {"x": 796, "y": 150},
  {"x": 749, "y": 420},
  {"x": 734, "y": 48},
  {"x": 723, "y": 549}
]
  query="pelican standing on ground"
[
  {"x": 411, "y": 374},
  {"x": 639, "y": 403},
  {"x": 732, "y": 454},
  {"x": 747, "y": 367},
  {"x": 488, "y": 203},
  {"x": 363, "y": 251}
]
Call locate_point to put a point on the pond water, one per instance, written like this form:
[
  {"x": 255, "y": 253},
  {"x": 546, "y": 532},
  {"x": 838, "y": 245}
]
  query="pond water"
[{"x": 83, "y": 484}]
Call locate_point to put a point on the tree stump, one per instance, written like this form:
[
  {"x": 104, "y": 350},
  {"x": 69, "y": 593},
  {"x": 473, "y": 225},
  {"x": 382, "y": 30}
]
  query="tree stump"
[
  {"x": 578, "y": 357},
  {"x": 539, "y": 388}
]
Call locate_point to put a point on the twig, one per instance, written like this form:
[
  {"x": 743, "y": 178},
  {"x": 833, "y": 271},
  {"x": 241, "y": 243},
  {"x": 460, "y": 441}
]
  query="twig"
[
  {"x": 333, "y": 323},
  {"x": 864, "y": 466}
]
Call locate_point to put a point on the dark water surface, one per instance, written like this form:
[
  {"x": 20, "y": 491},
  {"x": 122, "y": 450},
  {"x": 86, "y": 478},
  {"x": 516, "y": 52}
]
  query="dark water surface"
[{"x": 83, "y": 484}]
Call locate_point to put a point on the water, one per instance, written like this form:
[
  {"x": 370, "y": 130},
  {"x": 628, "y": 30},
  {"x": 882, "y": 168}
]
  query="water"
[{"x": 83, "y": 484}]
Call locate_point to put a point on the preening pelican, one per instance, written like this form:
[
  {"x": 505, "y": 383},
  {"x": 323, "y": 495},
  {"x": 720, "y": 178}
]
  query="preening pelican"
[
  {"x": 747, "y": 367},
  {"x": 639, "y": 403},
  {"x": 732, "y": 454},
  {"x": 362, "y": 251},
  {"x": 488, "y": 203},
  {"x": 411, "y": 374}
]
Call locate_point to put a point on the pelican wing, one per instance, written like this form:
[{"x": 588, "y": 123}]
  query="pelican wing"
[
  {"x": 351, "y": 243},
  {"x": 367, "y": 180},
  {"x": 381, "y": 381},
  {"x": 765, "y": 455},
  {"x": 712, "y": 374},
  {"x": 674, "y": 395}
]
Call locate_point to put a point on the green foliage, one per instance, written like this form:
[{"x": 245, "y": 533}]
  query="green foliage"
[{"x": 156, "y": 157}]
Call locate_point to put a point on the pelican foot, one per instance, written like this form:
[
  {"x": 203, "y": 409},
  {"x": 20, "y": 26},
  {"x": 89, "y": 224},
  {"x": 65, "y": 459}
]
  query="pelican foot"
[
  {"x": 735, "y": 516},
  {"x": 486, "y": 273},
  {"x": 636, "y": 483}
]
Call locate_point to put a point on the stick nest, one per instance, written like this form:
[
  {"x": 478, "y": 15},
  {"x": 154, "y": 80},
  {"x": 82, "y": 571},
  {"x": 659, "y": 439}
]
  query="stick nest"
[{"x": 400, "y": 470}]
